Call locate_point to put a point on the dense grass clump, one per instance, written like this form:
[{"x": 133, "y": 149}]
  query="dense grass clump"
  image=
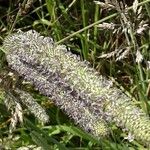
[{"x": 113, "y": 36}]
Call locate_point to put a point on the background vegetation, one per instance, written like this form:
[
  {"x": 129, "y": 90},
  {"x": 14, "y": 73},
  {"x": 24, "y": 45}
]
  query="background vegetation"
[{"x": 114, "y": 36}]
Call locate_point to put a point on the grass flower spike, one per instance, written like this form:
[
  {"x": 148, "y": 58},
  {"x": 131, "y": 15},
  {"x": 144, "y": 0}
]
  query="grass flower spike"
[{"x": 90, "y": 99}]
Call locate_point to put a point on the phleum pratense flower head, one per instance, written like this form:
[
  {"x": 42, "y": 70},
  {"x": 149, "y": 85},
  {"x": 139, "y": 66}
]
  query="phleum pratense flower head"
[{"x": 90, "y": 99}]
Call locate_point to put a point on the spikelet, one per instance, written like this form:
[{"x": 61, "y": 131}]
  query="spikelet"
[
  {"x": 88, "y": 98},
  {"x": 14, "y": 107},
  {"x": 33, "y": 106}
]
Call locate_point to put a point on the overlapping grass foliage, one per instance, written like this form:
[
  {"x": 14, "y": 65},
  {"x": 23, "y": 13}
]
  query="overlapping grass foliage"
[{"x": 112, "y": 35}]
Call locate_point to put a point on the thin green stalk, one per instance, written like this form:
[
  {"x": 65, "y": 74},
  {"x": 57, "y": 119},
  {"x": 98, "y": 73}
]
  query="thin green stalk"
[
  {"x": 145, "y": 105},
  {"x": 17, "y": 17},
  {"x": 96, "y": 17},
  {"x": 141, "y": 76},
  {"x": 84, "y": 40},
  {"x": 41, "y": 19},
  {"x": 87, "y": 27},
  {"x": 51, "y": 7}
]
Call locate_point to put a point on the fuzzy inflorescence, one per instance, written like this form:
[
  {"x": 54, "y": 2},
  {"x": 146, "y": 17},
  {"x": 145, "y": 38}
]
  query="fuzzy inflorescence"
[
  {"x": 33, "y": 106},
  {"x": 90, "y": 99}
]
